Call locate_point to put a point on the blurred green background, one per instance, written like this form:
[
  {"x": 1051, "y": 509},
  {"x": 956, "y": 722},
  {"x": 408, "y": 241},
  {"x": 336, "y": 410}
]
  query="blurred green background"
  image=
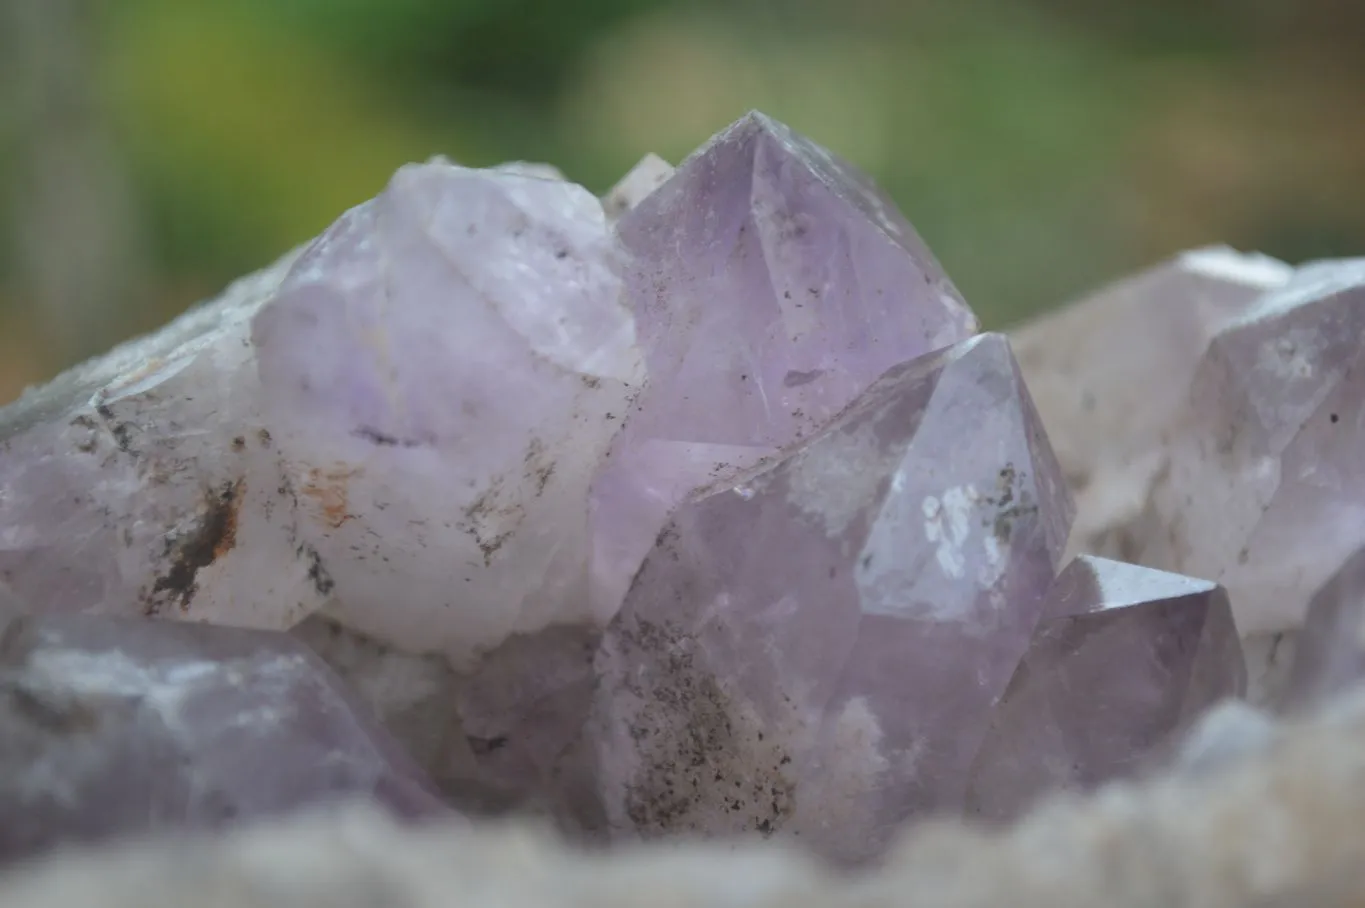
[{"x": 151, "y": 150}]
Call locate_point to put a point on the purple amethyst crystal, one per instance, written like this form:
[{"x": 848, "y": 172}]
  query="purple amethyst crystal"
[
  {"x": 1123, "y": 660},
  {"x": 771, "y": 284},
  {"x": 814, "y": 649},
  {"x": 112, "y": 727}
]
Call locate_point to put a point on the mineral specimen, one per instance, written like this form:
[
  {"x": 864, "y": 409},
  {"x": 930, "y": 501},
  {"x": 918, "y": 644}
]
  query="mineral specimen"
[
  {"x": 439, "y": 442},
  {"x": 1260, "y": 491},
  {"x": 1122, "y": 662},
  {"x": 118, "y": 726},
  {"x": 814, "y": 649},
  {"x": 1110, "y": 373},
  {"x": 771, "y": 284}
]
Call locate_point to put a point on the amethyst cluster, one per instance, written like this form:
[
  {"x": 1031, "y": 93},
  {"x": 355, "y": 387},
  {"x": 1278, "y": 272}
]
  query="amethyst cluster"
[{"x": 699, "y": 509}]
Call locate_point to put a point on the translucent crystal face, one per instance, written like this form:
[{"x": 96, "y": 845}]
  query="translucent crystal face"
[
  {"x": 1123, "y": 661},
  {"x": 1111, "y": 372},
  {"x": 815, "y": 651},
  {"x": 116, "y": 727},
  {"x": 1259, "y": 488},
  {"x": 771, "y": 284}
]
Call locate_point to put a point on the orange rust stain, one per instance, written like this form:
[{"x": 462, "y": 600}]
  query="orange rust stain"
[
  {"x": 329, "y": 490},
  {"x": 232, "y": 505}
]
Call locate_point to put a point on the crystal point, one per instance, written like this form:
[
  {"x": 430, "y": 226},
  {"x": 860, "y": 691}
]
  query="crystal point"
[
  {"x": 1123, "y": 660},
  {"x": 1111, "y": 372},
  {"x": 813, "y": 649},
  {"x": 1260, "y": 491},
  {"x": 771, "y": 283}
]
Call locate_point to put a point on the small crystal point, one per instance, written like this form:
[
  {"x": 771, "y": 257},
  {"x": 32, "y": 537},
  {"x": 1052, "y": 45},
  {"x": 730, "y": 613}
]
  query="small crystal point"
[
  {"x": 646, "y": 176},
  {"x": 1123, "y": 660},
  {"x": 772, "y": 283},
  {"x": 111, "y": 727},
  {"x": 1262, "y": 485},
  {"x": 1110, "y": 373},
  {"x": 813, "y": 650}
]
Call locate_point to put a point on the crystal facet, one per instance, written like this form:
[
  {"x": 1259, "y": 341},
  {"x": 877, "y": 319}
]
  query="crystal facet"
[
  {"x": 771, "y": 284},
  {"x": 1261, "y": 491},
  {"x": 118, "y": 726},
  {"x": 814, "y": 649},
  {"x": 1110, "y": 373},
  {"x": 1330, "y": 655},
  {"x": 1122, "y": 661}
]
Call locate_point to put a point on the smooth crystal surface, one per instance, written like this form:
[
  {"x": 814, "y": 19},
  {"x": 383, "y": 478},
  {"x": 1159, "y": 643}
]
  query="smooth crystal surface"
[
  {"x": 1122, "y": 662},
  {"x": 112, "y": 727},
  {"x": 814, "y": 649},
  {"x": 1262, "y": 488},
  {"x": 771, "y": 284},
  {"x": 1110, "y": 373}
]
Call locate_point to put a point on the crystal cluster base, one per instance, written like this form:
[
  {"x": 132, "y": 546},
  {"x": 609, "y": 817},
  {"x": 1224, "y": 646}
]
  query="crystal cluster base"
[{"x": 701, "y": 508}]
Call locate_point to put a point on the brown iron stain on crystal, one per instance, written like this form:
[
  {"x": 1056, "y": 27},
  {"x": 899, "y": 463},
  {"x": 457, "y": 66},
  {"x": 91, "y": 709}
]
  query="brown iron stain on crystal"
[
  {"x": 329, "y": 490},
  {"x": 704, "y": 756},
  {"x": 213, "y": 536}
]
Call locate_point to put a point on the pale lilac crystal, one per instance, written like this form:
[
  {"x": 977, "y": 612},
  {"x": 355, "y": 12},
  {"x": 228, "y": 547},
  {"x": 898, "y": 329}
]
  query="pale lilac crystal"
[
  {"x": 112, "y": 727},
  {"x": 814, "y": 649},
  {"x": 447, "y": 365},
  {"x": 771, "y": 284},
  {"x": 1110, "y": 372},
  {"x": 147, "y": 481},
  {"x": 400, "y": 421},
  {"x": 1331, "y": 646},
  {"x": 1262, "y": 486},
  {"x": 1122, "y": 662}
]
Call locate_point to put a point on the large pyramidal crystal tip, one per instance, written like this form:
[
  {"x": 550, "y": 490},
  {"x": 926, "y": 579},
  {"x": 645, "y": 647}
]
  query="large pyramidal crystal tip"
[
  {"x": 1124, "y": 659},
  {"x": 1262, "y": 486},
  {"x": 111, "y": 727},
  {"x": 813, "y": 649},
  {"x": 771, "y": 284}
]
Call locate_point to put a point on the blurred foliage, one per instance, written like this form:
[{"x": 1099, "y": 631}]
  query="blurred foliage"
[{"x": 1041, "y": 146}]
